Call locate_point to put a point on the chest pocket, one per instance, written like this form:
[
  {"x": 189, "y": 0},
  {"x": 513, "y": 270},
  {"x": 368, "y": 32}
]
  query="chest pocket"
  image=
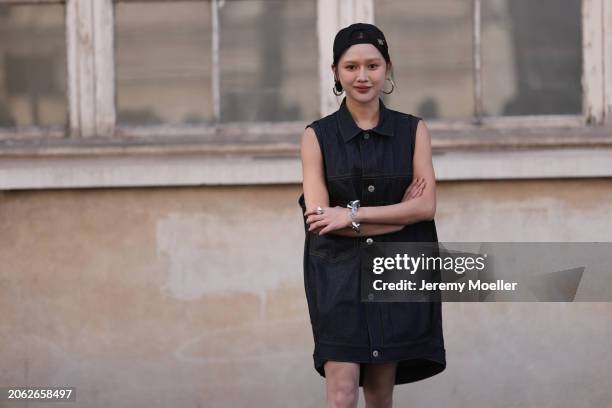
[{"x": 333, "y": 248}]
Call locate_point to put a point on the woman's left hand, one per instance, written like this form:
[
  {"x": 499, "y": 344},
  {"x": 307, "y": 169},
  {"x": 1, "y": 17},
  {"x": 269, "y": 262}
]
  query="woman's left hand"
[{"x": 333, "y": 218}]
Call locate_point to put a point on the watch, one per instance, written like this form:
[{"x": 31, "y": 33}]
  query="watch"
[{"x": 354, "y": 206}]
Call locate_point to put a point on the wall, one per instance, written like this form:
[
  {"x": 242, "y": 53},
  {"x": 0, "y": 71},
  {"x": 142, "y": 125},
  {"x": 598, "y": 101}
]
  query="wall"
[{"x": 193, "y": 297}]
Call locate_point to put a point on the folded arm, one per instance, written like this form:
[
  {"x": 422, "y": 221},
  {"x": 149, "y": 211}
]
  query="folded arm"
[
  {"x": 417, "y": 204},
  {"x": 315, "y": 190}
]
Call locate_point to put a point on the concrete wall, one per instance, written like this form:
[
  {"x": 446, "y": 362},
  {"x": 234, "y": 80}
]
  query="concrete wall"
[{"x": 193, "y": 297}]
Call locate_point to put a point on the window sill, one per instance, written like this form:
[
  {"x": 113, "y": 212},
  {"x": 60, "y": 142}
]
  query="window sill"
[{"x": 189, "y": 161}]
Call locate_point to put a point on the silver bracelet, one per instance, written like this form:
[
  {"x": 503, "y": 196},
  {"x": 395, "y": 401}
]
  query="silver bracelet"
[{"x": 354, "y": 206}]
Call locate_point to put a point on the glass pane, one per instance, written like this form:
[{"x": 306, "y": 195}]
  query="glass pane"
[
  {"x": 531, "y": 57},
  {"x": 430, "y": 44},
  {"x": 163, "y": 62},
  {"x": 32, "y": 66},
  {"x": 269, "y": 60}
]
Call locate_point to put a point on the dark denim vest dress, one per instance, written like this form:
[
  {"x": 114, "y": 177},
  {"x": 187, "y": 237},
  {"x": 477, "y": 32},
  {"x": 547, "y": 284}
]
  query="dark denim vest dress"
[{"x": 374, "y": 166}]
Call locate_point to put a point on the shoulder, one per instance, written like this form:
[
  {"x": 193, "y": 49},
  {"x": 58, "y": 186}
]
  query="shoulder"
[
  {"x": 415, "y": 123},
  {"x": 412, "y": 125},
  {"x": 319, "y": 128},
  {"x": 309, "y": 136},
  {"x": 325, "y": 121},
  {"x": 314, "y": 131},
  {"x": 405, "y": 117},
  {"x": 311, "y": 150}
]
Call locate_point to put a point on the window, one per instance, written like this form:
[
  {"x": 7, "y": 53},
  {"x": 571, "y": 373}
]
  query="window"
[
  {"x": 268, "y": 61},
  {"x": 431, "y": 49},
  {"x": 531, "y": 57},
  {"x": 32, "y": 68},
  {"x": 470, "y": 59},
  {"x": 163, "y": 63},
  {"x": 186, "y": 62},
  {"x": 149, "y": 92}
]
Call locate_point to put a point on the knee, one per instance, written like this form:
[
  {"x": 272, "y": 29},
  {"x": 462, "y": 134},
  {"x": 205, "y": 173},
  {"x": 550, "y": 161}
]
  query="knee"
[
  {"x": 342, "y": 394},
  {"x": 378, "y": 396}
]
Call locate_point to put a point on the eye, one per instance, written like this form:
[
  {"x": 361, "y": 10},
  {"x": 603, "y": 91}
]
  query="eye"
[
  {"x": 374, "y": 65},
  {"x": 349, "y": 66}
]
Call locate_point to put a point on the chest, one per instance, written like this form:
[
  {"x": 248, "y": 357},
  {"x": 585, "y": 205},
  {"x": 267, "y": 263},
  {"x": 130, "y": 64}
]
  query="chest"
[{"x": 374, "y": 168}]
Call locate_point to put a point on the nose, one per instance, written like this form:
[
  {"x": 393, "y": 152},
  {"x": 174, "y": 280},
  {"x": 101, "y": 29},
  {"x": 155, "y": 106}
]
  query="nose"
[{"x": 362, "y": 77}]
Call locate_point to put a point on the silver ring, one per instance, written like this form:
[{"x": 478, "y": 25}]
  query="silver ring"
[{"x": 319, "y": 211}]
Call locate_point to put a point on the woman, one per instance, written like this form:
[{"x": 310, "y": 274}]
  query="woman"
[{"x": 367, "y": 177}]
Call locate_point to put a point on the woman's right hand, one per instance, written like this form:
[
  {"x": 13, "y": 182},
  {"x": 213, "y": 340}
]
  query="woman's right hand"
[{"x": 415, "y": 189}]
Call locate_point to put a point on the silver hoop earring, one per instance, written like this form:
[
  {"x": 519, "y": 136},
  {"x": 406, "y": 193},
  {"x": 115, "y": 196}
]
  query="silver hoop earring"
[{"x": 392, "y": 87}]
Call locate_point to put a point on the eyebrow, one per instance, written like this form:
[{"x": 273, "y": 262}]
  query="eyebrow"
[{"x": 369, "y": 59}]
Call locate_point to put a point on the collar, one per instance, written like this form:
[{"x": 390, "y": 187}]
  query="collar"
[{"x": 349, "y": 129}]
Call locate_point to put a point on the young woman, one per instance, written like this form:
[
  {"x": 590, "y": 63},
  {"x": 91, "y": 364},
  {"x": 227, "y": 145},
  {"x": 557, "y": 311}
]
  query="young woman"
[{"x": 368, "y": 177}]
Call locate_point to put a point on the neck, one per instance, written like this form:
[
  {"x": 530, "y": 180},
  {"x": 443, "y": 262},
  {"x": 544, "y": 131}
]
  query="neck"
[{"x": 364, "y": 113}]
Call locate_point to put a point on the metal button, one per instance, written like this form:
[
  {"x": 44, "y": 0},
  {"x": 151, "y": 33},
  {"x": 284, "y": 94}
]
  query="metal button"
[
  {"x": 371, "y": 188},
  {"x": 366, "y": 135},
  {"x": 369, "y": 241},
  {"x": 375, "y": 353},
  {"x": 370, "y": 296}
]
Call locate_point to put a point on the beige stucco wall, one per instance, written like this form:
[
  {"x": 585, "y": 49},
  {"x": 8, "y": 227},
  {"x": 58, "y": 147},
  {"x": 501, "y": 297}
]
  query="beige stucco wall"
[{"x": 193, "y": 297}]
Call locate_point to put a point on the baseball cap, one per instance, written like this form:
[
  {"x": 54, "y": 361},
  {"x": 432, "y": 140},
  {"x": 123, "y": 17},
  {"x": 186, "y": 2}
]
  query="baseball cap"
[{"x": 360, "y": 33}]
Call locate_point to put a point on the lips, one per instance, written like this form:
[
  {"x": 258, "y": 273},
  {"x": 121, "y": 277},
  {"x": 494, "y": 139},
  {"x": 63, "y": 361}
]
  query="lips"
[{"x": 362, "y": 88}]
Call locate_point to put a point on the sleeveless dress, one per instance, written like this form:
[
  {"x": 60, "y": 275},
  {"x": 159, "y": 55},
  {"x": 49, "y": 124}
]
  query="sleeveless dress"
[{"x": 374, "y": 166}]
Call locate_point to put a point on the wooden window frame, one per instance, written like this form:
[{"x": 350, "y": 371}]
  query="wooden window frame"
[{"x": 96, "y": 152}]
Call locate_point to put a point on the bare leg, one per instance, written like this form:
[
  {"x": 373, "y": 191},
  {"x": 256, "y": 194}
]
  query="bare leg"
[
  {"x": 342, "y": 379},
  {"x": 378, "y": 383}
]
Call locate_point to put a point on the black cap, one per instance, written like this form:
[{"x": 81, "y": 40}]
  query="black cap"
[{"x": 360, "y": 33}]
